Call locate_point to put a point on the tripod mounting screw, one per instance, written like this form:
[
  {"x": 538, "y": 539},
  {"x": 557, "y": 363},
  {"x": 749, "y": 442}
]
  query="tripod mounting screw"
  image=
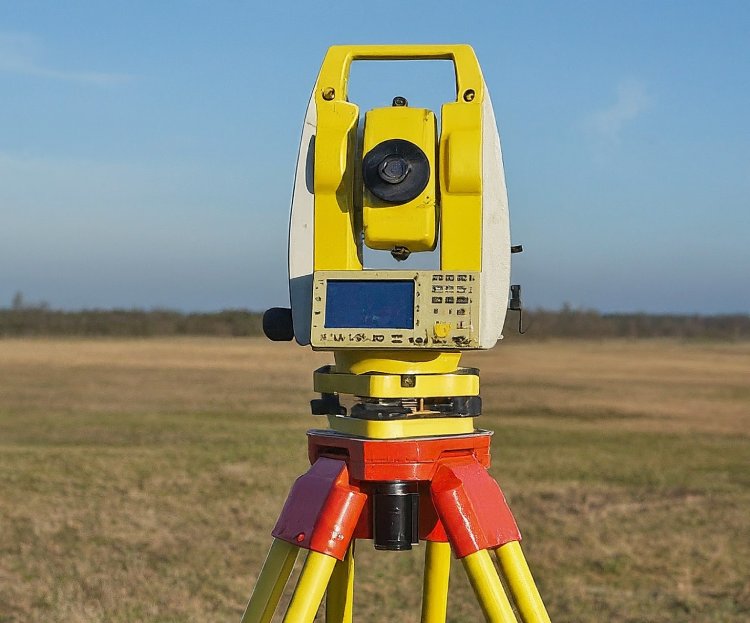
[{"x": 395, "y": 515}]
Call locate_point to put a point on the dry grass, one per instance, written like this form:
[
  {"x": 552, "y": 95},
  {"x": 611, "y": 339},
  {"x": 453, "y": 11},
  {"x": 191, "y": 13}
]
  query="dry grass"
[{"x": 139, "y": 479}]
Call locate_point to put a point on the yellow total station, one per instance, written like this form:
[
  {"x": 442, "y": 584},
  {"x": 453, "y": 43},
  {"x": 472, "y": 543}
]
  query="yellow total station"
[{"x": 392, "y": 181}]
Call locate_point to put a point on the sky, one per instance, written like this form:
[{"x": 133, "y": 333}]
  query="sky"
[{"x": 147, "y": 149}]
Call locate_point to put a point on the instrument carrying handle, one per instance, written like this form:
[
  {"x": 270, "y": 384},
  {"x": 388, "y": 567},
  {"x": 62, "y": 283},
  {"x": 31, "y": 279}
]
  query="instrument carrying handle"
[{"x": 334, "y": 74}]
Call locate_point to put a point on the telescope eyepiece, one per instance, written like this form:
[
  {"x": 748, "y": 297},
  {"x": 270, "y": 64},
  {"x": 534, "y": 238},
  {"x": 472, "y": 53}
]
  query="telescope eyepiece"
[{"x": 396, "y": 171}]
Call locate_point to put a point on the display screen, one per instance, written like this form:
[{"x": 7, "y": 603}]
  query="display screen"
[{"x": 370, "y": 304}]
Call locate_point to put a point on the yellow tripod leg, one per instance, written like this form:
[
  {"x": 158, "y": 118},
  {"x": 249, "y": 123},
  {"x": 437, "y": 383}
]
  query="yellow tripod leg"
[
  {"x": 340, "y": 593},
  {"x": 271, "y": 582},
  {"x": 311, "y": 585},
  {"x": 437, "y": 567},
  {"x": 488, "y": 588},
  {"x": 521, "y": 583}
]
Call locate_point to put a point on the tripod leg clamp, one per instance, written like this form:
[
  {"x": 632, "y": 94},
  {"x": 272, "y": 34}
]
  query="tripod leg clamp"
[
  {"x": 472, "y": 508},
  {"x": 322, "y": 510}
]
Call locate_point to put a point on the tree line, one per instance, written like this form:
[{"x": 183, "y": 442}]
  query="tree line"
[
  {"x": 39, "y": 320},
  {"x": 574, "y": 323}
]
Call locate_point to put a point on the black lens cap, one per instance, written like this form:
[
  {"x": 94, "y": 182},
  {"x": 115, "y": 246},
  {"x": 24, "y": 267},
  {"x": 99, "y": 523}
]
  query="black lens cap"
[{"x": 396, "y": 170}]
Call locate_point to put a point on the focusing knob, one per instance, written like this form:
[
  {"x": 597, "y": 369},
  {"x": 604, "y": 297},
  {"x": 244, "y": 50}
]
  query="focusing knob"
[
  {"x": 278, "y": 325},
  {"x": 396, "y": 170}
]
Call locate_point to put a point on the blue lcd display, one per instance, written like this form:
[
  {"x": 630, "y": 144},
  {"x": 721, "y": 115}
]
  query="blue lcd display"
[{"x": 370, "y": 304}]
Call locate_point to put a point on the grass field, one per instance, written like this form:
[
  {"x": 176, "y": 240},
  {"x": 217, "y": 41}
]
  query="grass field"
[{"x": 139, "y": 479}]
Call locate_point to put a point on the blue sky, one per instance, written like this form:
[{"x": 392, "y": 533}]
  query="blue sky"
[{"x": 147, "y": 149}]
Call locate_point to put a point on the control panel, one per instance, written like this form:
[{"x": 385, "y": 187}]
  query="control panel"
[{"x": 395, "y": 309}]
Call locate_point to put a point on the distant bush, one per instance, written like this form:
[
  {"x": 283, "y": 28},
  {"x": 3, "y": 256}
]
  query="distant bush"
[{"x": 39, "y": 320}]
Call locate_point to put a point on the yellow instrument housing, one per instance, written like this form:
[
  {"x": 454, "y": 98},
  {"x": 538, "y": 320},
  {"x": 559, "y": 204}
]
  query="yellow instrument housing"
[
  {"x": 462, "y": 382},
  {"x": 337, "y": 229},
  {"x": 461, "y": 211},
  {"x": 411, "y": 224},
  {"x": 401, "y": 429}
]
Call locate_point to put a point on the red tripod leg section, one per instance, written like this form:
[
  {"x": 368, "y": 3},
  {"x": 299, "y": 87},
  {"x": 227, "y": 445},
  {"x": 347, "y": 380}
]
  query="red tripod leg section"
[
  {"x": 322, "y": 509},
  {"x": 430, "y": 526},
  {"x": 472, "y": 508}
]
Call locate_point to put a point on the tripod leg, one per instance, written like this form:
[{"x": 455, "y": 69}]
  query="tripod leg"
[
  {"x": 270, "y": 584},
  {"x": 488, "y": 588},
  {"x": 521, "y": 583},
  {"x": 311, "y": 585},
  {"x": 340, "y": 593},
  {"x": 437, "y": 566}
]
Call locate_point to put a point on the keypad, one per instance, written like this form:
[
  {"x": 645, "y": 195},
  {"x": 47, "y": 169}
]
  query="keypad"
[{"x": 450, "y": 284}]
